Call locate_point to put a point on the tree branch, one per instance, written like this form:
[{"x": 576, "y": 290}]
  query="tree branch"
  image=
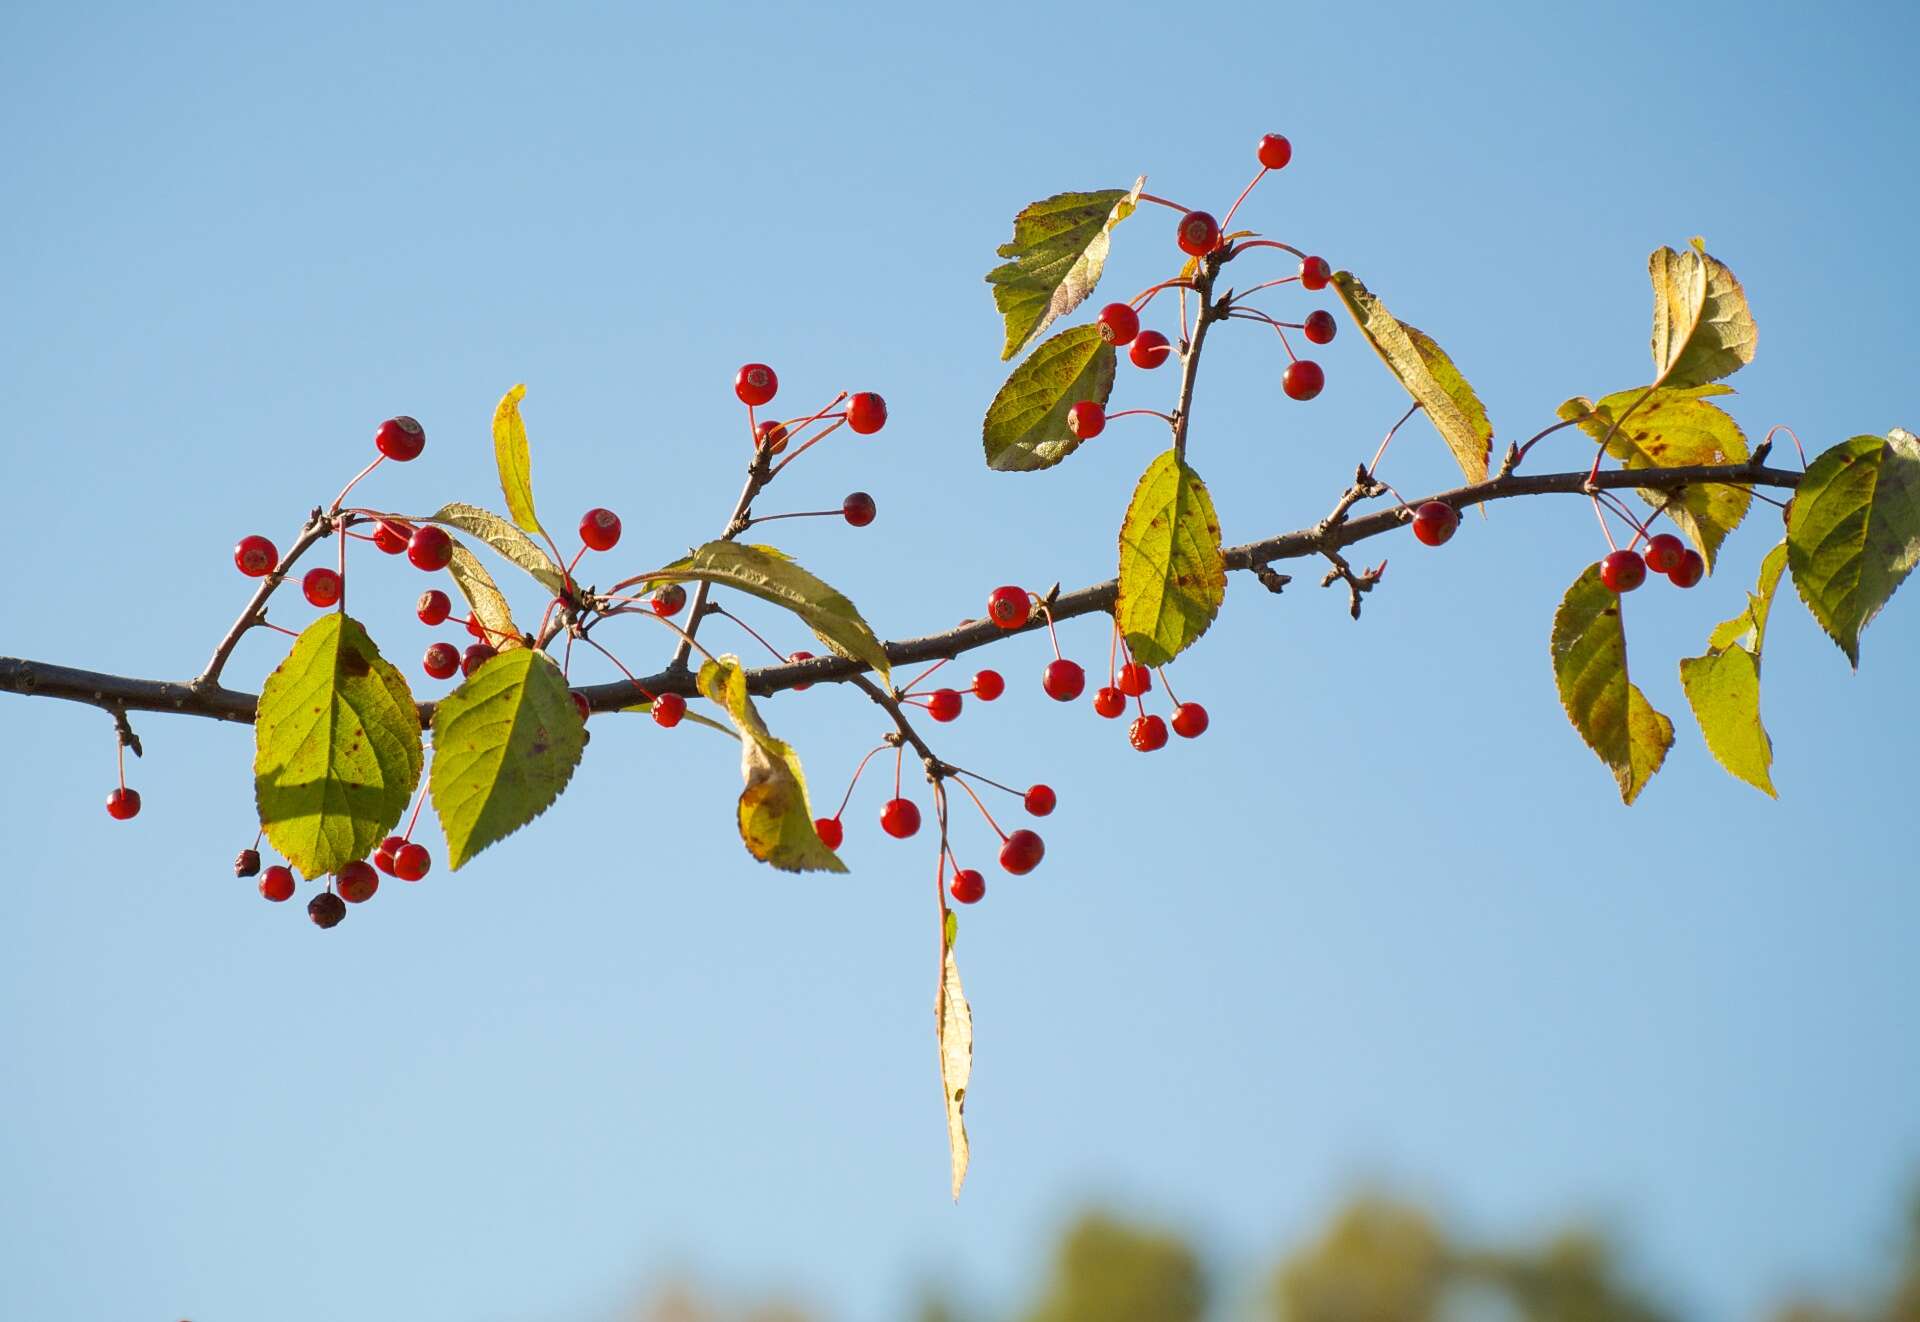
[{"x": 118, "y": 693}]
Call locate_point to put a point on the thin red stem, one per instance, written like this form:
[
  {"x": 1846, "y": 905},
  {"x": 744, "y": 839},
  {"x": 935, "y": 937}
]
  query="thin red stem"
[
  {"x": 335, "y": 507},
  {"x": 1140, "y": 300},
  {"x": 917, "y": 679},
  {"x": 1161, "y": 201},
  {"x": 1268, "y": 243},
  {"x": 1380, "y": 454},
  {"x": 1243, "y": 197},
  {"x": 983, "y": 810}
]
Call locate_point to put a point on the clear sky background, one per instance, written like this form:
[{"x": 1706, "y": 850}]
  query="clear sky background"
[{"x": 1386, "y": 922}]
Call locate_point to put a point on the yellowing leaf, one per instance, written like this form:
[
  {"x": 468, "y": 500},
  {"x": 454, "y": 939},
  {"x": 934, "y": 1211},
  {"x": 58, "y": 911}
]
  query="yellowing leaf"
[
  {"x": 510, "y": 455},
  {"x": 771, "y": 576},
  {"x": 1853, "y": 531},
  {"x": 503, "y": 537},
  {"x": 336, "y": 748},
  {"x": 1723, "y": 686},
  {"x": 483, "y": 598},
  {"x": 1702, "y": 328},
  {"x": 1749, "y": 628},
  {"x": 1590, "y": 671},
  {"x": 955, "y": 1018},
  {"x": 1674, "y": 428},
  {"x": 1172, "y": 574},
  {"x": 505, "y": 744},
  {"x": 1026, "y": 425},
  {"x": 1058, "y": 250},
  {"x": 1427, "y": 373},
  {"x": 776, "y": 819}
]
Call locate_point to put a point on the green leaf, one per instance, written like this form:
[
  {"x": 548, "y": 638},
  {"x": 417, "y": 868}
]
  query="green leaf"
[
  {"x": 1605, "y": 706},
  {"x": 776, "y": 820},
  {"x": 336, "y": 748},
  {"x": 1674, "y": 428},
  {"x": 483, "y": 598},
  {"x": 510, "y": 454},
  {"x": 1059, "y": 247},
  {"x": 1702, "y": 328},
  {"x": 503, "y": 537},
  {"x": 1427, "y": 373},
  {"x": 1723, "y": 685},
  {"x": 505, "y": 744},
  {"x": 1026, "y": 425},
  {"x": 955, "y": 1018},
  {"x": 769, "y": 575},
  {"x": 1853, "y": 531},
  {"x": 1172, "y": 574}
]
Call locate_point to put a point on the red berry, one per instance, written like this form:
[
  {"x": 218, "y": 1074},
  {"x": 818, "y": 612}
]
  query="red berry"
[
  {"x": 1086, "y": 420},
  {"x": 389, "y": 848},
  {"x": 476, "y": 656},
  {"x": 858, "y": 508},
  {"x": 1189, "y": 720},
  {"x": 988, "y": 685},
  {"x": 1623, "y": 571},
  {"x": 801, "y": 656},
  {"x": 600, "y": 529},
  {"x": 326, "y": 909},
  {"x": 433, "y": 607},
  {"x": 1435, "y": 522},
  {"x": 1150, "y": 349},
  {"x": 668, "y": 600},
  {"x": 1199, "y": 233},
  {"x": 1320, "y": 326},
  {"x": 829, "y": 830},
  {"x": 477, "y": 629},
  {"x": 943, "y": 704},
  {"x": 968, "y": 886},
  {"x": 276, "y": 884},
  {"x": 256, "y": 556},
  {"x": 400, "y": 439},
  {"x": 1303, "y": 379},
  {"x": 1009, "y": 607},
  {"x": 866, "y": 413},
  {"x": 1022, "y": 852},
  {"x": 1135, "y": 679},
  {"x": 668, "y": 708},
  {"x": 1040, "y": 800},
  {"x": 900, "y": 818},
  {"x": 1689, "y": 571},
  {"x": 442, "y": 660},
  {"x": 1275, "y": 151},
  {"x": 321, "y": 586},
  {"x": 1119, "y": 323},
  {"x": 1110, "y": 702},
  {"x": 1664, "y": 552},
  {"x": 412, "y": 862},
  {"x": 1314, "y": 273},
  {"x": 1147, "y": 733},
  {"x": 772, "y": 435},
  {"x": 430, "y": 548},
  {"x": 247, "y": 864},
  {"x": 755, "y": 384},
  {"x": 1064, "y": 680},
  {"x": 357, "y": 882},
  {"x": 391, "y": 535},
  {"x": 580, "y": 703},
  {"x": 123, "y": 803}
]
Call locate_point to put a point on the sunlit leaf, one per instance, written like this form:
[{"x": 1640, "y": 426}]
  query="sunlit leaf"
[
  {"x": 770, "y": 575},
  {"x": 483, "y": 598},
  {"x": 1674, "y": 428},
  {"x": 1427, "y": 373},
  {"x": 1172, "y": 574},
  {"x": 1853, "y": 531},
  {"x": 1605, "y": 706},
  {"x": 505, "y": 744},
  {"x": 1026, "y": 425},
  {"x": 337, "y": 749},
  {"x": 776, "y": 819},
  {"x": 515, "y": 464},
  {"x": 502, "y": 536},
  {"x": 1702, "y": 328},
  {"x": 1749, "y": 628},
  {"x": 1058, "y": 250},
  {"x": 956, "y": 1059}
]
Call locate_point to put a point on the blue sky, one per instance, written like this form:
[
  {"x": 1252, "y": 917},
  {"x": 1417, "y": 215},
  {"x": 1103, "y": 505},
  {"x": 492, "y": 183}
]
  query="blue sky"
[{"x": 1386, "y": 922}]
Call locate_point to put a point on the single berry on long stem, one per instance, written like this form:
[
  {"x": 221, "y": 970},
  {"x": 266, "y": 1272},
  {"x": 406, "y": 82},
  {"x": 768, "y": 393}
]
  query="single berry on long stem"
[
  {"x": 123, "y": 803},
  {"x": 433, "y": 607},
  {"x": 668, "y": 708},
  {"x": 1110, "y": 702},
  {"x": 1435, "y": 522},
  {"x": 430, "y": 548},
  {"x": 1135, "y": 679},
  {"x": 1623, "y": 571},
  {"x": 988, "y": 685},
  {"x": 755, "y": 384},
  {"x": 1040, "y": 800},
  {"x": 1303, "y": 379},
  {"x": 866, "y": 413},
  {"x": 1147, "y": 733},
  {"x": 1119, "y": 323},
  {"x": 858, "y": 509},
  {"x": 1063, "y": 680},
  {"x": 326, "y": 909},
  {"x": 944, "y": 704},
  {"x": 1086, "y": 419},
  {"x": 255, "y": 556},
  {"x": 829, "y": 830},
  {"x": 1664, "y": 552},
  {"x": 1275, "y": 151},
  {"x": 968, "y": 886},
  {"x": 1189, "y": 720},
  {"x": 1319, "y": 326},
  {"x": 276, "y": 883},
  {"x": 357, "y": 882},
  {"x": 1199, "y": 233},
  {"x": 321, "y": 587},
  {"x": 1022, "y": 852},
  {"x": 1009, "y": 607},
  {"x": 1315, "y": 273},
  {"x": 400, "y": 439},
  {"x": 600, "y": 529},
  {"x": 900, "y": 818},
  {"x": 247, "y": 864},
  {"x": 1150, "y": 349},
  {"x": 412, "y": 862}
]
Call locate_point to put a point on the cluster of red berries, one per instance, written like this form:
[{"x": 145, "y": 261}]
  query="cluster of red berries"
[
  {"x": 355, "y": 883},
  {"x": 1625, "y": 570}
]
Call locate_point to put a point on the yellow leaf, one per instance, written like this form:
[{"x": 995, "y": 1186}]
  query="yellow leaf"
[
  {"x": 510, "y": 454},
  {"x": 956, "y": 1060},
  {"x": 776, "y": 820}
]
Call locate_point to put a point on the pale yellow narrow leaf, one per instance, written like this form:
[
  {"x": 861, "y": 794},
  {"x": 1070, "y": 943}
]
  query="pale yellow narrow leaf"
[
  {"x": 956, "y": 1060},
  {"x": 510, "y": 454},
  {"x": 489, "y": 607},
  {"x": 502, "y": 536}
]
